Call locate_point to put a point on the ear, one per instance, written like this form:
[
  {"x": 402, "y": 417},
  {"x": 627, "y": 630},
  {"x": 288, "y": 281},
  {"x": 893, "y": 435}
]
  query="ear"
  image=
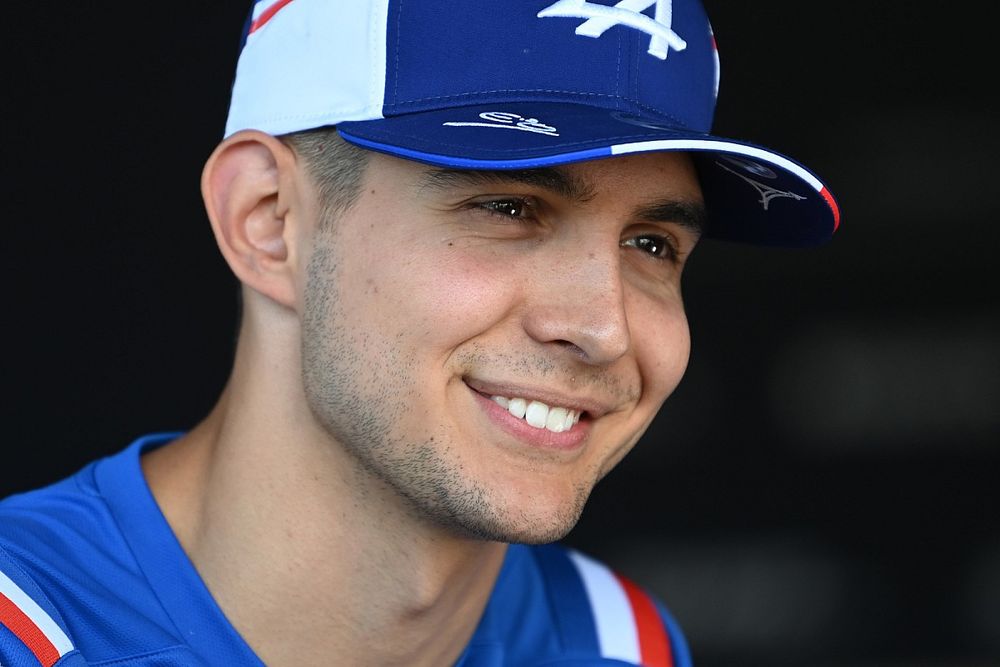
[{"x": 249, "y": 186}]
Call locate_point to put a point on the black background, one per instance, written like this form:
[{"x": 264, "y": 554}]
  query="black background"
[{"x": 821, "y": 488}]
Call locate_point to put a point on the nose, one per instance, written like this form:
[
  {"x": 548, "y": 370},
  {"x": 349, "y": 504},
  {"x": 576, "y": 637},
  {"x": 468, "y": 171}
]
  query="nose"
[{"x": 577, "y": 299}]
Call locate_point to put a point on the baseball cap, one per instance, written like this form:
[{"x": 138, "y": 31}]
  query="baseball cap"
[{"x": 521, "y": 84}]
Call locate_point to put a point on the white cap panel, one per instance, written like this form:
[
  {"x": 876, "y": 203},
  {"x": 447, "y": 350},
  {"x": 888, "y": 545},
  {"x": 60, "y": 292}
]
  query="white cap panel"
[{"x": 280, "y": 56}]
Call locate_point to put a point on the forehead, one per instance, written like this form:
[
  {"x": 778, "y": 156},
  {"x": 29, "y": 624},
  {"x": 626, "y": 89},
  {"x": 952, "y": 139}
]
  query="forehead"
[{"x": 660, "y": 175}]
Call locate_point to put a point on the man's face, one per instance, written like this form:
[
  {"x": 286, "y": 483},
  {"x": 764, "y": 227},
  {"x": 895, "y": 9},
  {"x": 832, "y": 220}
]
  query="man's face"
[{"x": 488, "y": 345}]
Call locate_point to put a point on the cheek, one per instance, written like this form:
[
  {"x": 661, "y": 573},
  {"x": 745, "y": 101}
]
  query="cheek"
[
  {"x": 434, "y": 296},
  {"x": 663, "y": 347}
]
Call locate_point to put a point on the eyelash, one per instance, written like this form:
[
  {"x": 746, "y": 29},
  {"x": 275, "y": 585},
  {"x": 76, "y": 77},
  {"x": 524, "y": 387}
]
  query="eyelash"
[{"x": 664, "y": 247}]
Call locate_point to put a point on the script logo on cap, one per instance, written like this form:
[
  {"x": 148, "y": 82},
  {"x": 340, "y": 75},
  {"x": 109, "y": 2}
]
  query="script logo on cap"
[
  {"x": 628, "y": 13},
  {"x": 508, "y": 121}
]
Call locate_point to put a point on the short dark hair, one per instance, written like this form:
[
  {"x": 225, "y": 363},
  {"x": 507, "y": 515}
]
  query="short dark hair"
[{"x": 336, "y": 167}]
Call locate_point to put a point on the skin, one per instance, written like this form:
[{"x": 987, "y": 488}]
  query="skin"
[{"x": 352, "y": 491}]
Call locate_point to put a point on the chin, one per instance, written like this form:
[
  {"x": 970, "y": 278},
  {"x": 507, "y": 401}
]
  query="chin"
[
  {"x": 513, "y": 532},
  {"x": 534, "y": 535},
  {"x": 526, "y": 519},
  {"x": 482, "y": 498}
]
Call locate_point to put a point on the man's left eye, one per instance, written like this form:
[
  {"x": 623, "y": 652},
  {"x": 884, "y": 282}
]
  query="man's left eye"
[{"x": 652, "y": 244}]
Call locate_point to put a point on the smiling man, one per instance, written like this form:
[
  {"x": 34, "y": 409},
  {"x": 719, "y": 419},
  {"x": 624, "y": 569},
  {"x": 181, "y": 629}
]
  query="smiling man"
[
  {"x": 565, "y": 331},
  {"x": 460, "y": 230}
]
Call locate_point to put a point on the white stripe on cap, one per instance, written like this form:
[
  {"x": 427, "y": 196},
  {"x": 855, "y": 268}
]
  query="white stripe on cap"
[
  {"x": 717, "y": 145},
  {"x": 616, "y": 630},
  {"x": 278, "y": 87},
  {"x": 38, "y": 616}
]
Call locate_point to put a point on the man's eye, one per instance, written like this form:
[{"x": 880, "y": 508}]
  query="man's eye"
[
  {"x": 507, "y": 208},
  {"x": 659, "y": 247}
]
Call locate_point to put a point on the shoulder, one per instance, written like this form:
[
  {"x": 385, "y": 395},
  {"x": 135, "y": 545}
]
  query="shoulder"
[
  {"x": 51, "y": 531},
  {"x": 31, "y": 626},
  {"x": 593, "y": 614},
  {"x": 69, "y": 583}
]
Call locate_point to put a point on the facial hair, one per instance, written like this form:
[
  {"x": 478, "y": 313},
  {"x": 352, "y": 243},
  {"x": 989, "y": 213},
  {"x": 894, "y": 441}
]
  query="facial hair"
[{"x": 358, "y": 384}]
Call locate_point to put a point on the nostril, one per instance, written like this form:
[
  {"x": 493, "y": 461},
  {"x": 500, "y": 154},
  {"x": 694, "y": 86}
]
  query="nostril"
[{"x": 571, "y": 347}]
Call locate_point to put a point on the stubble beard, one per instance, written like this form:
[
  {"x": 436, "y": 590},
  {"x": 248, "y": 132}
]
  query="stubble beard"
[{"x": 357, "y": 386}]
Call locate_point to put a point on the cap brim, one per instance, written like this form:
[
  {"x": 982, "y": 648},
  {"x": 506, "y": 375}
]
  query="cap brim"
[{"x": 752, "y": 194}]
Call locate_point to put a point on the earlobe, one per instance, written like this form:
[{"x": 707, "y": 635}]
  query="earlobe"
[{"x": 248, "y": 194}]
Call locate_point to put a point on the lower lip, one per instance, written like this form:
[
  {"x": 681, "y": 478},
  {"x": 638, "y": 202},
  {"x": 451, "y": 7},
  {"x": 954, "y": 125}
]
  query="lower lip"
[{"x": 536, "y": 437}]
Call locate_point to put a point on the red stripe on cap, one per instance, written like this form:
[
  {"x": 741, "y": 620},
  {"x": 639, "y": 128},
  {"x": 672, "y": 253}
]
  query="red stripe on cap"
[
  {"x": 833, "y": 207},
  {"x": 654, "y": 645},
  {"x": 30, "y": 634},
  {"x": 267, "y": 15}
]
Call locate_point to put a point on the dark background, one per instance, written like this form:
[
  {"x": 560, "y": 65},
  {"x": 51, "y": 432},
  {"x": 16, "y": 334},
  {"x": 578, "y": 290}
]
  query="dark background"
[{"x": 820, "y": 491}]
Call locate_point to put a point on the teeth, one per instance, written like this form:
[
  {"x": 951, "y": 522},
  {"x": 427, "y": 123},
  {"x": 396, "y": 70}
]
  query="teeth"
[
  {"x": 556, "y": 420},
  {"x": 538, "y": 414}
]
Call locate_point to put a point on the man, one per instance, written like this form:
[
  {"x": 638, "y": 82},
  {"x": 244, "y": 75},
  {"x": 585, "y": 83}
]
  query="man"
[{"x": 460, "y": 230}]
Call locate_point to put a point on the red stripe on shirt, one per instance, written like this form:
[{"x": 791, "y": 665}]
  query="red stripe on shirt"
[
  {"x": 267, "y": 15},
  {"x": 654, "y": 645},
  {"x": 30, "y": 634}
]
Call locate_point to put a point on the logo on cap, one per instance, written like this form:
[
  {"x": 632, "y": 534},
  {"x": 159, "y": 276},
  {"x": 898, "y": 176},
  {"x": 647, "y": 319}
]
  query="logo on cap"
[
  {"x": 508, "y": 121},
  {"x": 628, "y": 13},
  {"x": 766, "y": 192}
]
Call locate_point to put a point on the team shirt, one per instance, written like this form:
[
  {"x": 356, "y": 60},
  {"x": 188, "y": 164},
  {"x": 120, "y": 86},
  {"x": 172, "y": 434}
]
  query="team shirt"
[{"x": 91, "y": 574}]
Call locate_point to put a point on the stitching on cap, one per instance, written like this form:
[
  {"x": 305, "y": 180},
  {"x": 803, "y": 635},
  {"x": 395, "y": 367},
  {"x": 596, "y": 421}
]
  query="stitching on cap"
[
  {"x": 618, "y": 72},
  {"x": 636, "y": 58},
  {"x": 573, "y": 93},
  {"x": 399, "y": 37},
  {"x": 509, "y": 90}
]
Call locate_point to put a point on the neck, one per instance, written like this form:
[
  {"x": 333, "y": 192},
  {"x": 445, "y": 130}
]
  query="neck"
[{"x": 308, "y": 554}]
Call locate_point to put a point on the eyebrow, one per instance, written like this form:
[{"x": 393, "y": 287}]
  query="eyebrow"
[
  {"x": 691, "y": 215},
  {"x": 552, "y": 179}
]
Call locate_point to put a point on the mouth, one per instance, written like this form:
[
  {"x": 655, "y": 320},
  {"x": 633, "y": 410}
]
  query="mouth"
[
  {"x": 536, "y": 414},
  {"x": 536, "y": 420}
]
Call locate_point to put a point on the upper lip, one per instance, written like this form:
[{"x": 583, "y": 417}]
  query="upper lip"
[{"x": 594, "y": 407}]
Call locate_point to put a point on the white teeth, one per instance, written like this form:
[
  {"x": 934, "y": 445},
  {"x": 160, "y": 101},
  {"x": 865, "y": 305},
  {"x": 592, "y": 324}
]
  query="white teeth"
[
  {"x": 536, "y": 414},
  {"x": 517, "y": 407},
  {"x": 539, "y": 415},
  {"x": 556, "y": 421}
]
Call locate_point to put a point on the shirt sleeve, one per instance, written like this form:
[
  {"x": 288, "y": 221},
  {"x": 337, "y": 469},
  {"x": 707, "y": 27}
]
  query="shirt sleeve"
[{"x": 31, "y": 631}]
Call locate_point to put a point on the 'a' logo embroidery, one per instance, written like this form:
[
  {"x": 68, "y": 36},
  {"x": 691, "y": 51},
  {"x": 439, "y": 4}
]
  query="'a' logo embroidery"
[{"x": 628, "y": 13}]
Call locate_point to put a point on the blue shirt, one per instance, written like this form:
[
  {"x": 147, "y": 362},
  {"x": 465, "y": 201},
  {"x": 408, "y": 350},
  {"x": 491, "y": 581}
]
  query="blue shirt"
[{"x": 91, "y": 574}]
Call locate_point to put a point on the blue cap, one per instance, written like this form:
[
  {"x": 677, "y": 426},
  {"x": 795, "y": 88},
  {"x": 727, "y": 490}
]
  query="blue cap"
[{"x": 482, "y": 84}]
